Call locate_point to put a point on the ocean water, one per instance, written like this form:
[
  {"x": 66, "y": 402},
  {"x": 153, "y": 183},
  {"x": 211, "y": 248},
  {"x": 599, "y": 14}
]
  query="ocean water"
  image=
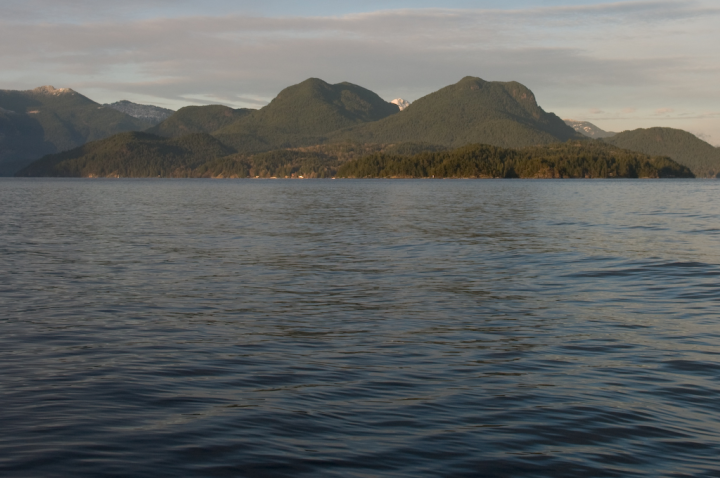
[{"x": 399, "y": 328}]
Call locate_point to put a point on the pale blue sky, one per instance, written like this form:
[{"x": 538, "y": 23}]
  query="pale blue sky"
[
  {"x": 621, "y": 65},
  {"x": 79, "y": 10},
  {"x": 342, "y": 7}
]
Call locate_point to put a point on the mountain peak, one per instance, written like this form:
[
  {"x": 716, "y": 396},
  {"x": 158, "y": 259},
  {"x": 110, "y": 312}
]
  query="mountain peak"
[
  {"x": 473, "y": 82},
  {"x": 304, "y": 114},
  {"x": 473, "y": 110}
]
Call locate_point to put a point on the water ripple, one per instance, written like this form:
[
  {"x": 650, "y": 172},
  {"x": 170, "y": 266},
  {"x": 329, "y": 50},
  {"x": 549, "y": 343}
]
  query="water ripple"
[{"x": 359, "y": 328}]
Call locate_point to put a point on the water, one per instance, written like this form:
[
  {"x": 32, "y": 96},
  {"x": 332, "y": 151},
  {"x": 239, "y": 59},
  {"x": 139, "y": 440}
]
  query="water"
[{"x": 191, "y": 328}]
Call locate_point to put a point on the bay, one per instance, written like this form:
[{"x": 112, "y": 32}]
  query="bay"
[{"x": 359, "y": 328}]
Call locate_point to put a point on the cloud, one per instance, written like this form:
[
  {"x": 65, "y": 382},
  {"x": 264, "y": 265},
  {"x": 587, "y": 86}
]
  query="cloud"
[
  {"x": 413, "y": 48},
  {"x": 664, "y": 111},
  {"x": 628, "y": 111},
  {"x": 572, "y": 57}
]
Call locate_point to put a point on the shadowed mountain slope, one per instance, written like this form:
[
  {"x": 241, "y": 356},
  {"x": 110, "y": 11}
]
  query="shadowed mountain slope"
[
  {"x": 22, "y": 140},
  {"x": 47, "y": 120},
  {"x": 198, "y": 119},
  {"x": 470, "y": 111},
  {"x": 685, "y": 148},
  {"x": 304, "y": 114}
]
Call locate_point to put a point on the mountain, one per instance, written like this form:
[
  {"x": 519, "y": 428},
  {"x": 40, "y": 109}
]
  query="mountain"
[
  {"x": 148, "y": 113},
  {"x": 685, "y": 148},
  {"x": 470, "y": 111},
  {"x": 47, "y": 120},
  {"x": 313, "y": 128},
  {"x": 305, "y": 114},
  {"x": 576, "y": 159},
  {"x": 131, "y": 154},
  {"x": 588, "y": 129},
  {"x": 198, "y": 119},
  {"x": 401, "y": 103}
]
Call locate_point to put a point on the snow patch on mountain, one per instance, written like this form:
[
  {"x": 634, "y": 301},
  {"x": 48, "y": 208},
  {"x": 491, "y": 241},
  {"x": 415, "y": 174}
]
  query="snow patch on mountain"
[
  {"x": 51, "y": 90},
  {"x": 150, "y": 113},
  {"x": 402, "y": 104},
  {"x": 588, "y": 129}
]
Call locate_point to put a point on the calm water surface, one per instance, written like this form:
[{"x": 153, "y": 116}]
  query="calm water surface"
[{"x": 194, "y": 328}]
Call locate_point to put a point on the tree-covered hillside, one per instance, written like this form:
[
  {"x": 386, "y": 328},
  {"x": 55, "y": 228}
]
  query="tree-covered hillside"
[
  {"x": 470, "y": 111},
  {"x": 304, "y": 114},
  {"x": 134, "y": 155},
  {"x": 685, "y": 148},
  {"x": 196, "y": 155},
  {"x": 319, "y": 161},
  {"x": 47, "y": 120},
  {"x": 575, "y": 159},
  {"x": 198, "y": 119},
  {"x": 201, "y": 155}
]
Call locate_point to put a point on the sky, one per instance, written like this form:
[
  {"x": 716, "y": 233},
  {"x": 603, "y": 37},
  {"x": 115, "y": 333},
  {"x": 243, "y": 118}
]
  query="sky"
[{"x": 620, "y": 65}]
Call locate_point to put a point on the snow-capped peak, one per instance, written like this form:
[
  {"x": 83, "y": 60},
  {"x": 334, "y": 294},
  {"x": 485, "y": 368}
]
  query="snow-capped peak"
[{"x": 402, "y": 104}]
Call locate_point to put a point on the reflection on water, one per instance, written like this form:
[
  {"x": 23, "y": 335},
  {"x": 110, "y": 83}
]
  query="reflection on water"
[{"x": 359, "y": 328}]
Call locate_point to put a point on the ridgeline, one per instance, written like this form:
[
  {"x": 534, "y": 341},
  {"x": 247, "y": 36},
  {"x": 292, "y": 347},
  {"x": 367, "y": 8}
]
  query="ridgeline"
[
  {"x": 303, "y": 115},
  {"x": 470, "y": 111},
  {"x": 198, "y": 119},
  {"x": 315, "y": 129}
]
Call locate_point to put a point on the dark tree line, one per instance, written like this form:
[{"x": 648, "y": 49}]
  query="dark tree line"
[{"x": 573, "y": 159}]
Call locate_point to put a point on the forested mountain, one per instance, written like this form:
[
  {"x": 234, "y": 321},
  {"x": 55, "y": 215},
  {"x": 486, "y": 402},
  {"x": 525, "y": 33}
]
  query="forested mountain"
[
  {"x": 685, "y": 148},
  {"x": 304, "y": 114},
  {"x": 47, "y": 120},
  {"x": 588, "y": 129},
  {"x": 576, "y": 159},
  {"x": 470, "y": 111},
  {"x": 150, "y": 114},
  {"x": 198, "y": 119},
  {"x": 131, "y": 155}
]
